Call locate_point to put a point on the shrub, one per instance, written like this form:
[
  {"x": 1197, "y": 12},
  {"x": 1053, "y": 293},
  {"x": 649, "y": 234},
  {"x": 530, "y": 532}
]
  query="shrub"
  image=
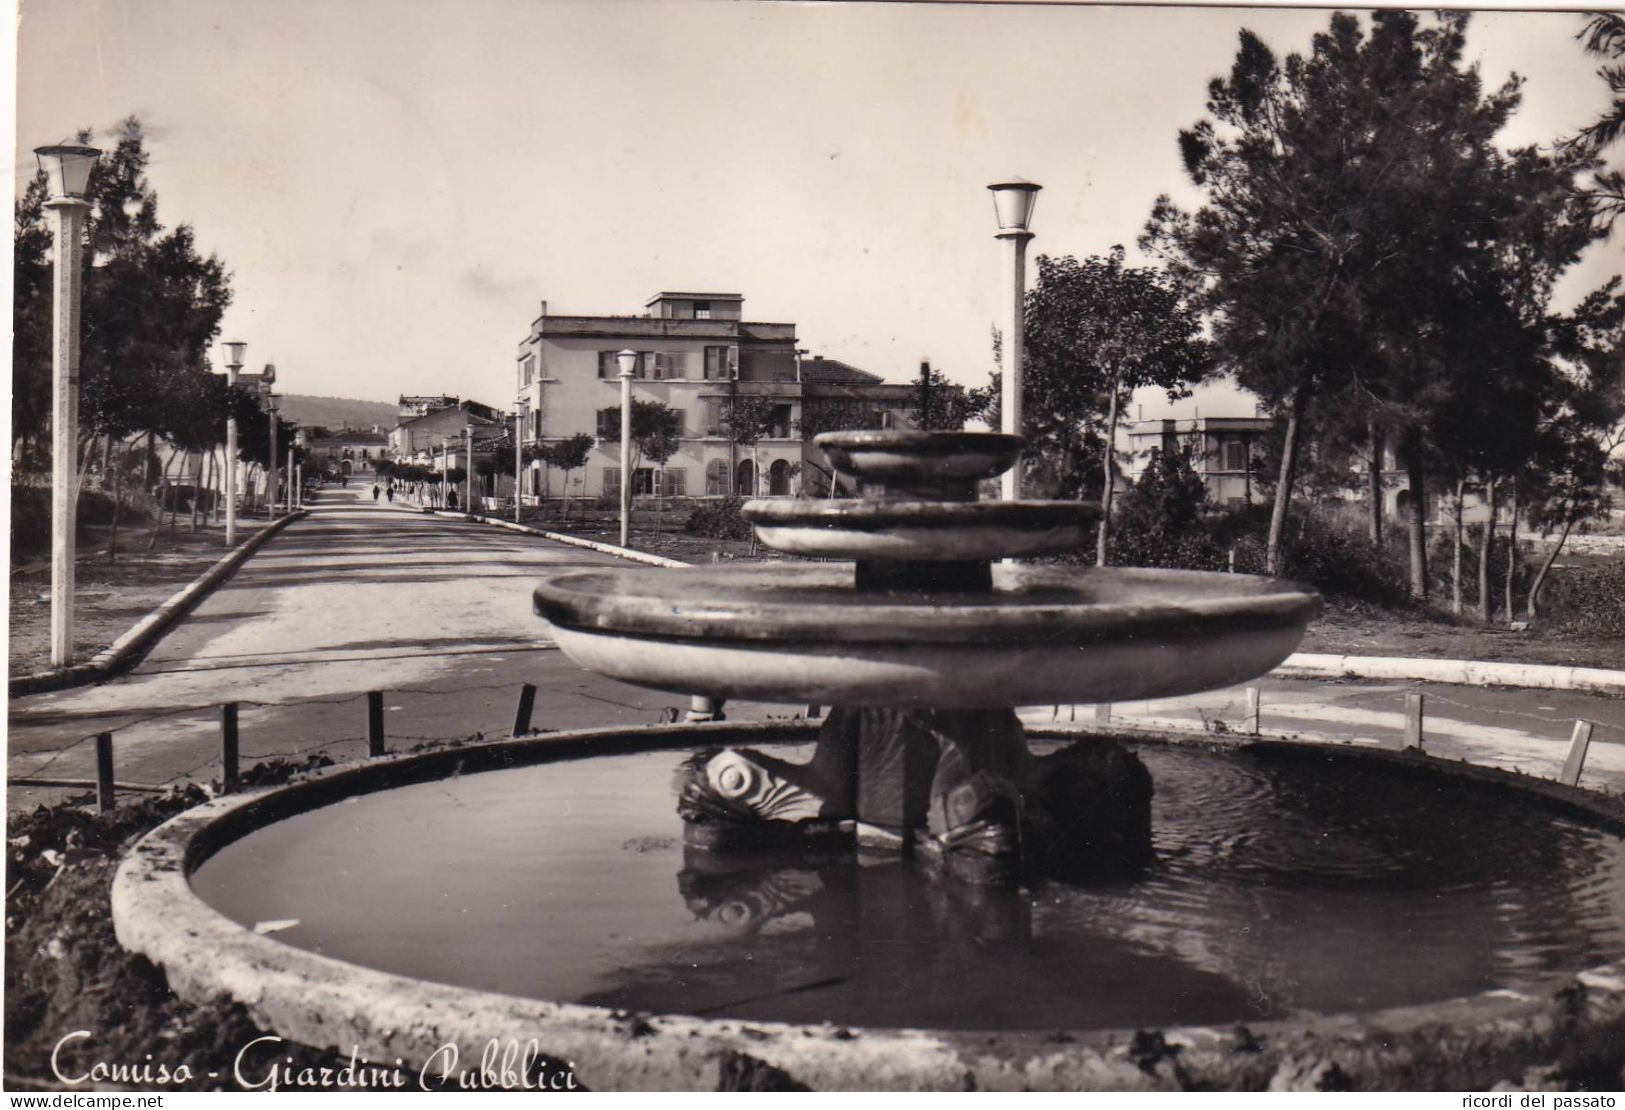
[
  {"x": 719, "y": 520},
  {"x": 1586, "y": 601}
]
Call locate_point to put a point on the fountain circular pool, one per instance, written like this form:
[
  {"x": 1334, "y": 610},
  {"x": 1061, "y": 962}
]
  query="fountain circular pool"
[{"x": 1286, "y": 882}]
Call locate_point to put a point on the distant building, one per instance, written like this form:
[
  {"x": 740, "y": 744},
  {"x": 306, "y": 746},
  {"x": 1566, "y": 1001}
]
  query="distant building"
[
  {"x": 351, "y": 450},
  {"x": 418, "y": 438},
  {"x": 1222, "y": 450},
  {"x": 410, "y": 406},
  {"x": 696, "y": 352}
]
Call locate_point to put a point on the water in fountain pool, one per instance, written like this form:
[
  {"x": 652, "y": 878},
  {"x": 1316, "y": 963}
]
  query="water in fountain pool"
[{"x": 1283, "y": 883}]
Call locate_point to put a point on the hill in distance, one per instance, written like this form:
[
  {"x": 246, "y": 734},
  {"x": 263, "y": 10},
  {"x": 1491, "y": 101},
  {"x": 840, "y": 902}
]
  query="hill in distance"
[{"x": 334, "y": 413}]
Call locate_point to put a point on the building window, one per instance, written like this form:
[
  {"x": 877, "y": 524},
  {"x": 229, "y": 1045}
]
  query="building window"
[
  {"x": 606, "y": 365},
  {"x": 669, "y": 364},
  {"x": 702, "y": 310},
  {"x": 675, "y": 482},
  {"x": 1235, "y": 454},
  {"x": 528, "y": 367},
  {"x": 716, "y": 478},
  {"x": 778, "y": 478},
  {"x": 779, "y": 426},
  {"x": 612, "y": 481},
  {"x": 721, "y": 363},
  {"x": 682, "y": 423},
  {"x": 609, "y": 423},
  {"x": 711, "y": 414}
]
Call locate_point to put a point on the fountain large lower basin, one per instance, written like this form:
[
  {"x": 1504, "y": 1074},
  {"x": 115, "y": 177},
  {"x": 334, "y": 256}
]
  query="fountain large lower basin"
[
  {"x": 1282, "y": 884},
  {"x": 1289, "y": 882}
]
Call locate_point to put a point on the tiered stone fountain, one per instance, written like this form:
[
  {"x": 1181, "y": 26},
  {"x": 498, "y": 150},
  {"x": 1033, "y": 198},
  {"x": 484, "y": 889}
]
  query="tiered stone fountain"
[
  {"x": 924, "y": 647},
  {"x": 1312, "y": 915}
]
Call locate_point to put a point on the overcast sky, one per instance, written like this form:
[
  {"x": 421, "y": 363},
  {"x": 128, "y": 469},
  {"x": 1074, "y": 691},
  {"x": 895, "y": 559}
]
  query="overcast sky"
[{"x": 396, "y": 184}]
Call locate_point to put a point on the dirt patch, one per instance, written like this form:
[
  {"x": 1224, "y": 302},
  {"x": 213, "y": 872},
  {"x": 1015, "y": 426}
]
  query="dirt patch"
[
  {"x": 110, "y": 597},
  {"x": 66, "y": 973},
  {"x": 1369, "y": 630}
]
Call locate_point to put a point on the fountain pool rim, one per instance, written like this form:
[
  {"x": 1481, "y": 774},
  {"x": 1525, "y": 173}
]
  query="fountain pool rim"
[{"x": 325, "y": 1002}]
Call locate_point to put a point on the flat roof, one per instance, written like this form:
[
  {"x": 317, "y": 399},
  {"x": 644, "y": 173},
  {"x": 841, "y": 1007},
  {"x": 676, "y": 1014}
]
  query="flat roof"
[{"x": 694, "y": 297}]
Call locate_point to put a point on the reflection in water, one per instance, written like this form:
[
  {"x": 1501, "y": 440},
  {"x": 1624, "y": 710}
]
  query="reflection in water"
[{"x": 1282, "y": 882}]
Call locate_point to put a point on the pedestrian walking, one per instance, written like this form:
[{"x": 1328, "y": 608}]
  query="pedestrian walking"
[
  {"x": 375, "y": 492},
  {"x": 390, "y": 493}
]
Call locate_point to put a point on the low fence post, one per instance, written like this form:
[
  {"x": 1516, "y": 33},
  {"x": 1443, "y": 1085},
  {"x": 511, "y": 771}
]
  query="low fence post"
[
  {"x": 521, "y": 714},
  {"x": 228, "y": 748},
  {"x": 1414, "y": 704},
  {"x": 1578, "y": 746},
  {"x": 375, "y": 723},
  {"x": 104, "y": 772},
  {"x": 1252, "y": 710}
]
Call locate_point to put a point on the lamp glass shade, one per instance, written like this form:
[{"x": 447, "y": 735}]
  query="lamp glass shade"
[
  {"x": 234, "y": 352},
  {"x": 1013, "y": 203},
  {"x": 68, "y": 168},
  {"x": 628, "y": 362}
]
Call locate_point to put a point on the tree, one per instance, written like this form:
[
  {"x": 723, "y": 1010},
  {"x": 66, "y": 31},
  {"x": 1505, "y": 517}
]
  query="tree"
[
  {"x": 570, "y": 454},
  {"x": 942, "y": 406},
  {"x": 746, "y": 420},
  {"x": 1096, "y": 331},
  {"x": 1319, "y": 173},
  {"x": 150, "y": 308},
  {"x": 1160, "y": 522},
  {"x": 1604, "y": 36}
]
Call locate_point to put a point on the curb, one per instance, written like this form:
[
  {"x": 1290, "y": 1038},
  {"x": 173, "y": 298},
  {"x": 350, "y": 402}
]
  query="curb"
[
  {"x": 129, "y": 647},
  {"x": 560, "y": 537},
  {"x": 1456, "y": 672}
]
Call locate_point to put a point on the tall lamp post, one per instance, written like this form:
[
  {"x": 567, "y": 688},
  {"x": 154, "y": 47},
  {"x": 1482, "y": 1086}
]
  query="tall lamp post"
[
  {"x": 628, "y": 361},
  {"x": 272, "y": 464},
  {"x": 68, "y": 170},
  {"x": 445, "y": 464},
  {"x": 1013, "y": 205},
  {"x": 518, "y": 458},
  {"x": 468, "y": 468},
  {"x": 234, "y": 363}
]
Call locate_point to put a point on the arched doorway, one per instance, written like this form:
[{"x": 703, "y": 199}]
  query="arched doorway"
[
  {"x": 716, "y": 478},
  {"x": 778, "y": 478},
  {"x": 343, "y": 466},
  {"x": 745, "y": 478}
]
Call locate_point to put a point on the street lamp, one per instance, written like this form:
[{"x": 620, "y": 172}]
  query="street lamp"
[
  {"x": 67, "y": 169},
  {"x": 627, "y": 360},
  {"x": 518, "y": 458},
  {"x": 1013, "y": 206},
  {"x": 234, "y": 362},
  {"x": 271, "y": 465},
  {"x": 468, "y": 468}
]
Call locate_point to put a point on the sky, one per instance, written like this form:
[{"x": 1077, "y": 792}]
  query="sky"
[{"x": 396, "y": 185}]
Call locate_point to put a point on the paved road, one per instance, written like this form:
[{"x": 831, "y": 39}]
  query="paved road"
[
  {"x": 436, "y": 613},
  {"x": 358, "y": 597}
]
